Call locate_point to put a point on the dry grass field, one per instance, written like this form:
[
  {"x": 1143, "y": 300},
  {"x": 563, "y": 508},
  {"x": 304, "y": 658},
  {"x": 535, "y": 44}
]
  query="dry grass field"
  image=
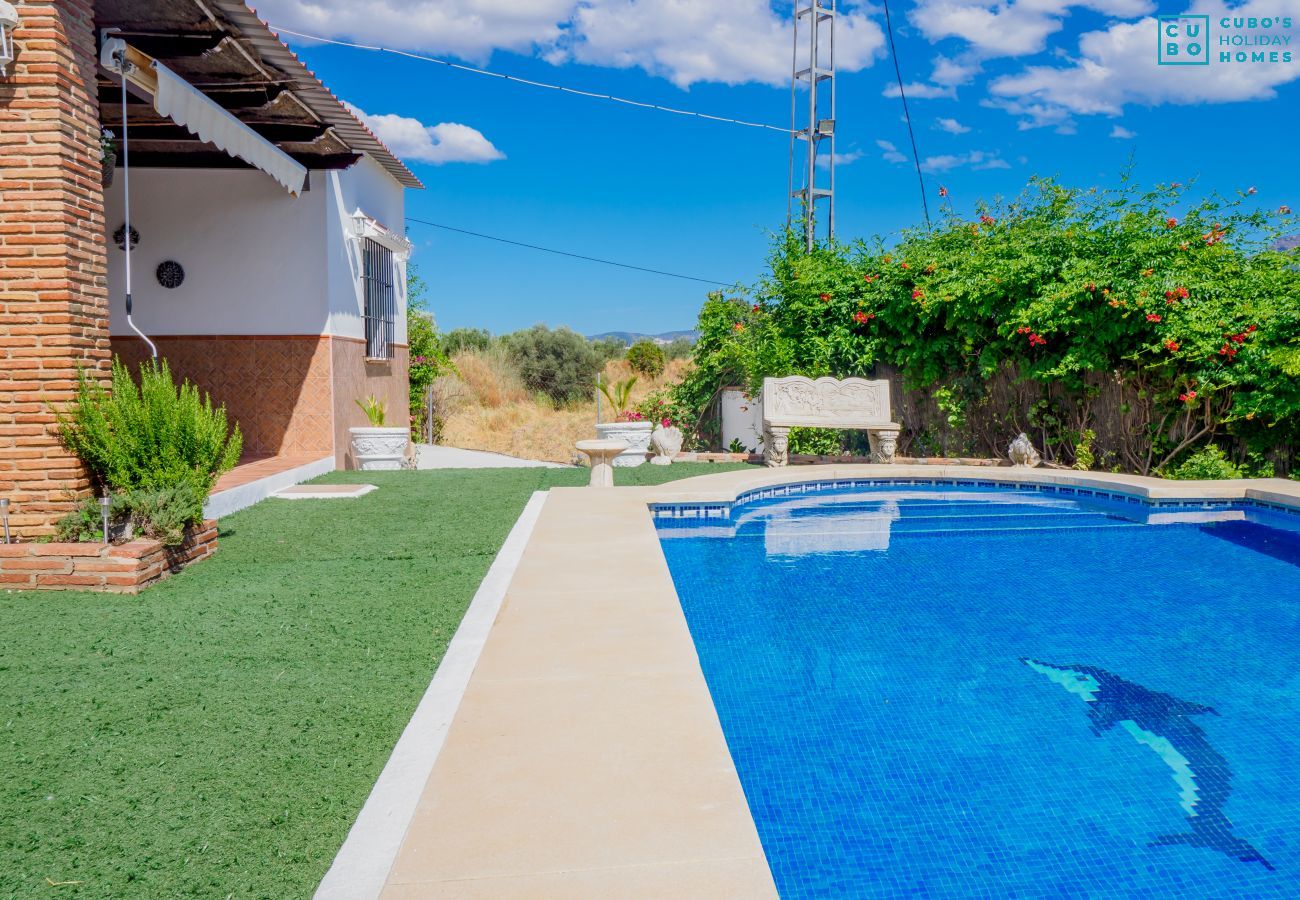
[{"x": 491, "y": 409}]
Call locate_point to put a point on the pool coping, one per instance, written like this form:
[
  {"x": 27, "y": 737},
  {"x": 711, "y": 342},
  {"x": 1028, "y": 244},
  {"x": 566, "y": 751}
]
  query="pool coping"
[
  {"x": 585, "y": 757},
  {"x": 361, "y": 866}
]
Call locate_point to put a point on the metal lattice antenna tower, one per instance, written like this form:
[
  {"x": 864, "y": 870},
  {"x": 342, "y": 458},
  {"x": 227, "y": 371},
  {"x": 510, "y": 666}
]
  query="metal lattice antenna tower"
[{"x": 812, "y": 85}]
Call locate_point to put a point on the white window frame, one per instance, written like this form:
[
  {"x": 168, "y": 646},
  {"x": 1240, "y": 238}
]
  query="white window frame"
[{"x": 380, "y": 324}]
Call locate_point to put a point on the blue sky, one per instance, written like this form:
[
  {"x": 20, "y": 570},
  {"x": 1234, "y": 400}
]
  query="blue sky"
[{"x": 998, "y": 93}]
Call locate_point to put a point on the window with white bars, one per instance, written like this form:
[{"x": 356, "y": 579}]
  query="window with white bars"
[{"x": 381, "y": 299}]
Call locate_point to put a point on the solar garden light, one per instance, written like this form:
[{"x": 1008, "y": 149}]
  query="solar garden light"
[
  {"x": 8, "y": 22},
  {"x": 104, "y": 503},
  {"x": 4, "y": 516}
]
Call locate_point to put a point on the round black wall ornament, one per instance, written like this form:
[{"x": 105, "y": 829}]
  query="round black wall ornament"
[
  {"x": 119, "y": 237},
  {"x": 170, "y": 274}
]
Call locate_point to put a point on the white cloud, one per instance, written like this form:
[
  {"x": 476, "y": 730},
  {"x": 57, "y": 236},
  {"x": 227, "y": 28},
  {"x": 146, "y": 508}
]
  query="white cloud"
[
  {"x": 951, "y": 73},
  {"x": 919, "y": 90},
  {"x": 952, "y": 126},
  {"x": 841, "y": 159},
  {"x": 996, "y": 28},
  {"x": 687, "y": 41},
  {"x": 682, "y": 40},
  {"x": 470, "y": 29},
  {"x": 1035, "y": 115},
  {"x": 1120, "y": 133},
  {"x": 976, "y": 159},
  {"x": 1117, "y": 66},
  {"x": 890, "y": 153},
  {"x": 446, "y": 142}
]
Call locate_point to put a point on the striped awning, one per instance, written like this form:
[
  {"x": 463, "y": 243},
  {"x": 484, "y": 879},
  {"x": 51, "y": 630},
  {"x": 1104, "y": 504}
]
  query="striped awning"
[{"x": 188, "y": 107}]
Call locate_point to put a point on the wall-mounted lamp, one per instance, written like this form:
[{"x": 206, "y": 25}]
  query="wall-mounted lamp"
[
  {"x": 8, "y": 22},
  {"x": 105, "y": 503},
  {"x": 4, "y": 516}
]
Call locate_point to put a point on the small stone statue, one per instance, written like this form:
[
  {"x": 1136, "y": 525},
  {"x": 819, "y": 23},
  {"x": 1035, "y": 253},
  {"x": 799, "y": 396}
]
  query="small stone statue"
[
  {"x": 666, "y": 443},
  {"x": 1022, "y": 453}
]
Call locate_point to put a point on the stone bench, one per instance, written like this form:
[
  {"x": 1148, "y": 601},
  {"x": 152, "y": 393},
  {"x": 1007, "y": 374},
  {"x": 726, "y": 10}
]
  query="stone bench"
[{"x": 845, "y": 404}]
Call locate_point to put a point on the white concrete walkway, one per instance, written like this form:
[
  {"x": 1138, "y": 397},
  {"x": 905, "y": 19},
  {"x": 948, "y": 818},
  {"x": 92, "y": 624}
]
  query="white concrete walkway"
[{"x": 429, "y": 456}]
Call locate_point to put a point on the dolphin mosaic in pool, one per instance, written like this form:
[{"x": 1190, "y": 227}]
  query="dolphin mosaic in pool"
[{"x": 1163, "y": 723}]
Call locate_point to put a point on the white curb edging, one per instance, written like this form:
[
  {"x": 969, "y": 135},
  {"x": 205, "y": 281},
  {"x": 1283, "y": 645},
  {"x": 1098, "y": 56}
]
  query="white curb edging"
[
  {"x": 234, "y": 499},
  {"x": 361, "y": 867}
]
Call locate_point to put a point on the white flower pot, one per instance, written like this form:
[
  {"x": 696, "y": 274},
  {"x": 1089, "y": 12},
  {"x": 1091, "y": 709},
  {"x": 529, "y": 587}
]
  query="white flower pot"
[
  {"x": 635, "y": 434},
  {"x": 379, "y": 449}
]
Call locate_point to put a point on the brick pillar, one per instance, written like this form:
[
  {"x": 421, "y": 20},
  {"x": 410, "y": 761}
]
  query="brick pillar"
[{"x": 53, "y": 293}]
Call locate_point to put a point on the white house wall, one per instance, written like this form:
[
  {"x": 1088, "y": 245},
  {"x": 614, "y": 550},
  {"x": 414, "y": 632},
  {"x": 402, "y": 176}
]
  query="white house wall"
[
  {"x": 368, "y": 187},
  {"x": 254, "y": 256},
  {"x": 742, "y": 419},
  {"x": 269, "y": 320}
]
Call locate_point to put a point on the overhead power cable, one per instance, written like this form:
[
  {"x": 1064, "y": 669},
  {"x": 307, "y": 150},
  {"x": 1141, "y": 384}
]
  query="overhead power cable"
[
  {"x": 607, "y": 262},
  {"x": 898, "y": 72},
  {"x": 540, "y": 84}
]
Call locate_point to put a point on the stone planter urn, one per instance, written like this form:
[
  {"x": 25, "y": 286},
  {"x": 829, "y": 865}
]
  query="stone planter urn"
[
  {"x": 635, "y": 434},
  {"x": 379, "y": 449},
  {"x": 665, "y": 443}
]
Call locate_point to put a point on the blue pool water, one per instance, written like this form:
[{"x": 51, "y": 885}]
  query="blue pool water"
[{"x": 949, "y": 691}]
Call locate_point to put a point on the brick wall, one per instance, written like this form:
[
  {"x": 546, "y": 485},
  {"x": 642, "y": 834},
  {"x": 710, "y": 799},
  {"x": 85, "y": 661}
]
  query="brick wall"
[
  {"x": 53, "y": 295},
  {"x": 277, "y": 387},
  {"x": 119, "y": 568}
]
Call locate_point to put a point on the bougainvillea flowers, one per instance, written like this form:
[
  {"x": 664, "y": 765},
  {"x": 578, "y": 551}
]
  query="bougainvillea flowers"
[
  {"x": 1187, "y": 397},
  {"x": 1171, "y": 346},
  {"x": 1171, "y": 222},
  {"x": 918, "y": 294},
  {"x": 824, "y": 298},
  {"x": 862, "y": 318},
  {"x": 1153, "y": 317}
]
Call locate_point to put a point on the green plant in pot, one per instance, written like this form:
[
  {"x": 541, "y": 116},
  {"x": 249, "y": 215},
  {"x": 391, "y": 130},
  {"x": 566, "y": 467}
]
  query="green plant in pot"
[
  {"x": 628, "y": 426},
  {"x": 378, "y": 446}
]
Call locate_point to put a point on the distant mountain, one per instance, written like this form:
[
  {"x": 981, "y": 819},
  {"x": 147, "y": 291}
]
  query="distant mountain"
[
  {"x": 1288, "y": 243},
  {"x": 631, "y": 337}
]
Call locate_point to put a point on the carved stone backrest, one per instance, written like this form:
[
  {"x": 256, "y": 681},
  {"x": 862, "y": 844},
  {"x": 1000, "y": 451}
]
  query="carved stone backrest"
[{"x": 825, "y": 403}]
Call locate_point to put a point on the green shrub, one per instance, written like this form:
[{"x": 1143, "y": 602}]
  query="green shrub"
[
  {"x": 86, "y": 522},
  {"x": 162, "y": 514},
  {"x": 1176, "y": 317},
  {"x": 816, "y": 441},
  {"x": 646, "y": 358},
  {"x": 153, "y": 437},
  {"x": 679, "y": 348},
  {"x": 619, "y": 395},
  {"x": 427, "y": 359},
  {"x": 558, "y": 363},
  {"x": 609, "y": 348},
  {"x": 460, "y": 339},
  {"x": 1084, "y": 458},
  {"x": 1207, "y": 464}
]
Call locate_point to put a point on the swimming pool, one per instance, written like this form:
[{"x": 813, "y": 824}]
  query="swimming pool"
[{"x": 955, "y": 690}]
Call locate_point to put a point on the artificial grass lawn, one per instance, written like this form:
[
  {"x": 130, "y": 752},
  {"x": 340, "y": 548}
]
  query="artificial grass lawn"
[{"x": 216, "y": 735}]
